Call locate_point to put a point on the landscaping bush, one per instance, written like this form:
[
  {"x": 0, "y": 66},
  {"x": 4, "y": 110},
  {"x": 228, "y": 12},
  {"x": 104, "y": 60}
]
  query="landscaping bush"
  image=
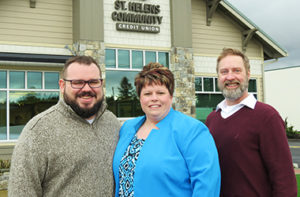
[
  {"x": 290, "y": 132},
  {"x": 4, "y": 164}
]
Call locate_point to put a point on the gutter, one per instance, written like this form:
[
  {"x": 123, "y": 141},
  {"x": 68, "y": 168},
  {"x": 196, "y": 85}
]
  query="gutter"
[{"x": 35, "y": 64}]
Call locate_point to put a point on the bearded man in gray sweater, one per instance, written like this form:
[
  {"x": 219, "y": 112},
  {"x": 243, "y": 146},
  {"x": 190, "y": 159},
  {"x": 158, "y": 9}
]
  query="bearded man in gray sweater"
[{"x": 67, "y": 150}]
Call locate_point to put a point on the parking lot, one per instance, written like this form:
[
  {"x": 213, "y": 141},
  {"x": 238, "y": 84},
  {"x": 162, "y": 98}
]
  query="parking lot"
[{"x": 295, "y": 150}]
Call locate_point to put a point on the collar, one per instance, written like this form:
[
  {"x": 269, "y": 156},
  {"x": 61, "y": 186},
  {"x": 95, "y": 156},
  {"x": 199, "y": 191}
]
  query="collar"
[
  {"x": 140, "y": 120},
  {"x": 249, "y": 101}
]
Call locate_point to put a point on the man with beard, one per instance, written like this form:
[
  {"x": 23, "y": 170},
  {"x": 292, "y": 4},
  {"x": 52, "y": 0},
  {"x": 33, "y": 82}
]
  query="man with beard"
[
  {"x": 67, "y": 150},
  {"x": 254, "y": 155}
]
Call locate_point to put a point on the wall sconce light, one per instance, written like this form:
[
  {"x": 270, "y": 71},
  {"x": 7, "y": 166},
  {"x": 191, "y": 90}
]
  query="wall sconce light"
[{"x": 32, "y": 3}]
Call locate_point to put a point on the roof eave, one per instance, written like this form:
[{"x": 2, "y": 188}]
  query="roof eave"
[{"x": 271, "y": 49}]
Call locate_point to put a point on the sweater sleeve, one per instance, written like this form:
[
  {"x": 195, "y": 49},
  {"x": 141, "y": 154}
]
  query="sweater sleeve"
[
  {"x": 200, "y": 153},
  {"x": 28, "y": 166},
  {"x": 277, "y": 156}
]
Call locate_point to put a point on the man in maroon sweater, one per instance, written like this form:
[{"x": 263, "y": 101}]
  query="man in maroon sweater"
[{"x": 250, "y": 136}]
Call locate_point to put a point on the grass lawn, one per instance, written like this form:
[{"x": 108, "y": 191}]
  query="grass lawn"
[{"x": 298, "y": 183}]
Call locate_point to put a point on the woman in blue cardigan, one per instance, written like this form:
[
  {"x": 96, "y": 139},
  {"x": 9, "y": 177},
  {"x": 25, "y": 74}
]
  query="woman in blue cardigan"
[{"x": 164, "y": 153}]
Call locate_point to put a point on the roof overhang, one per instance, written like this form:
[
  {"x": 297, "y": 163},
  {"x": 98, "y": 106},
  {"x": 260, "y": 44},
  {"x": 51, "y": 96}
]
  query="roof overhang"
[
  {"x": 27, "y": 57},
  {"x": 271, "y": 49},
  {"x": 32, "y": 55}
]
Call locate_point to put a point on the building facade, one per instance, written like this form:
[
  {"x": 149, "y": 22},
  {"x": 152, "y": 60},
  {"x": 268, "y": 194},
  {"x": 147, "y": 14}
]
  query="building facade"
[
  {"x": 37, "y": 36},
  {"x": 283, "y": 92}
]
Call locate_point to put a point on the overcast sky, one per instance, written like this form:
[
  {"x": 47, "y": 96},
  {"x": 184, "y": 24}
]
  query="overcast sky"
[{"x": 280, "y": 20}]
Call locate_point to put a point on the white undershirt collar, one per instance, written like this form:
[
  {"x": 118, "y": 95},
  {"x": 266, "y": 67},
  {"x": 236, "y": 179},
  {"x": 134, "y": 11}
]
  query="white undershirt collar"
[
  {"x": 227, "y": 111},
  {"x": 90, "y": 121}
]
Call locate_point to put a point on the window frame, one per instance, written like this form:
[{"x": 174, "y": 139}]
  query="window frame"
[
  {"x": 131, "y": 69},
  {"x": 7, "y": 90},
  {"x": 215, "y": 86},
  {"x": 216, "y": 91},
  {"x": 130, "y": 58}
]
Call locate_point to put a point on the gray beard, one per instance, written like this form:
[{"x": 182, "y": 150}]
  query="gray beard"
[{"x": 235, "y": 94}]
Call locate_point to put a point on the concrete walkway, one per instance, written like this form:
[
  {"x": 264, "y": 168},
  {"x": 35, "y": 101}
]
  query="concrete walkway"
[{"x": 297, "y": 170}]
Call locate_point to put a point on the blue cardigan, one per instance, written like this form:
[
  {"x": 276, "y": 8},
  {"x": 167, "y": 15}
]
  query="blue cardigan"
[{"x": 179, "y": 159}]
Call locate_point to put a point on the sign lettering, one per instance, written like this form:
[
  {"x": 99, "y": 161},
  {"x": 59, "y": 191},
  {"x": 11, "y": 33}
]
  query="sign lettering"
[{"x": 139, "y": 17}]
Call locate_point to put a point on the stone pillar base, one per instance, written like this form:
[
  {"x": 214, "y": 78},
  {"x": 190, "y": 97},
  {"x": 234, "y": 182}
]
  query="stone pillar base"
[{"x": 182, "y": 66}]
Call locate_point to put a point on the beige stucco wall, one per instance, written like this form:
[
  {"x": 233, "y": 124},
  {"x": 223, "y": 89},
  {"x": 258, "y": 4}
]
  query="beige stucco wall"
[{"x": 283, "y": 92}]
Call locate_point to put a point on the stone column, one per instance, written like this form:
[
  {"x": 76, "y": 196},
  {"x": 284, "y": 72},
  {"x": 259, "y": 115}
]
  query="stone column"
[
  {"x": 182, "y": 66},
  {"x": 95, "y": 49}
]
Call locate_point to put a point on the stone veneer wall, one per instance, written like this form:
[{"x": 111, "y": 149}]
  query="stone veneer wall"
[
  {"x": 94, "y": 49},
  {"x": 182, "y": 66},
  {"x": 4, "y": 177}
]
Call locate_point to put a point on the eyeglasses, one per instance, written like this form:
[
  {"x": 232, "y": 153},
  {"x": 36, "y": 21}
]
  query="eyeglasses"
[{"x": 78, "y": 84}]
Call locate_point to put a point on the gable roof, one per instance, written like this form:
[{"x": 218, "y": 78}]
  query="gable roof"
[{"x": 271, "y": 49}]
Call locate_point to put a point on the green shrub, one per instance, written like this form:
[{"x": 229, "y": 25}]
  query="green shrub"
[
  {"x": 290, "y": 132},
  {"x": 4, "y": 164}
]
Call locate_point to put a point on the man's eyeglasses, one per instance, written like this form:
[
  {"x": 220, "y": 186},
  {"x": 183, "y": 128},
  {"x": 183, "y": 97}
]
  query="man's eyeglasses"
[{"x": 78, "y": 84}]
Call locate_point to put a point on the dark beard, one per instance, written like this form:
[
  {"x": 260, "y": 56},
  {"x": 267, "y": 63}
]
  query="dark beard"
[{"x": 83, "y": 113}]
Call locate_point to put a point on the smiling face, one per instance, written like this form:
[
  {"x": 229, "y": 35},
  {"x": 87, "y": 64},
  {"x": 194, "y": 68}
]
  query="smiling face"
[
  {"x": 156, "y": 101},
  {"x": 233, "y": 79},
  {"x": 85, "y": 101}
]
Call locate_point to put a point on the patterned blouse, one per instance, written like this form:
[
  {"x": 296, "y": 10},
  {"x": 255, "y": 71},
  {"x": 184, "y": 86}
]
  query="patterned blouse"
[{"x": 127, "y": 167}]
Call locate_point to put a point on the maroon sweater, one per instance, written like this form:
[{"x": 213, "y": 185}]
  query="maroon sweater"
[{"x": 255, "y": 158}]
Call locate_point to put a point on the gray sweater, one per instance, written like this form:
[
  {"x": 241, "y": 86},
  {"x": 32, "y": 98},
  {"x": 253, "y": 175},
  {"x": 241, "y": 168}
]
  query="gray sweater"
[{"x": 60, "y": 154}]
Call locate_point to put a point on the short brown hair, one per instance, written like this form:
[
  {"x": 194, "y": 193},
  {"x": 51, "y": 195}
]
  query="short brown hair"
[
  {"x": 86, "y": 60},
  {"x": 154, "y": 73},
  {"x": 236, "y": 52}
]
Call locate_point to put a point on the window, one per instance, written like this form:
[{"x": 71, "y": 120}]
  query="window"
[
  {"x": 17, "y": 80},
  {"x": 163, "y": 58},
  {"x": 3, "y": 79},
  {"x": 208, "y": 95},
  {"x": 150, "y": 57},
  {"x": 123, "y": 59},
  {"x": 51, "y": 80},
  {"x": 110, "y": 58},
  {"x": 121, "y": 68},
  {"x": 137, "y": 59},
  {"x": 24, "y": 94},
  {"x": 34, "y": 80}
]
